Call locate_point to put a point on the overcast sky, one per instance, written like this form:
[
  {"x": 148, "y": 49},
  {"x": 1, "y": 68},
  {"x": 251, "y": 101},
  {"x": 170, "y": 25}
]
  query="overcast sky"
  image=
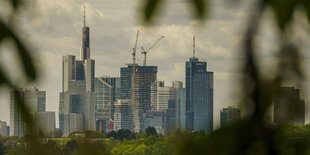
[{"x": 53, "y": 28}]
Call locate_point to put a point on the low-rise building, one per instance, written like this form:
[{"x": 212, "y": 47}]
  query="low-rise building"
[
  {"x": 155, "y": 119},
  {"x": 3, "y": 129},
  {"x": 45, "y": 123},
  {"x": 229, "y": 115}
]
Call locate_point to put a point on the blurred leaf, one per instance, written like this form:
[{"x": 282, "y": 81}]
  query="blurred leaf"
[
  {"x": 306, "y": 4},
  {"x": 16, "y": 3},
  {"x": 26, "y": 59},
  {"x": 23, "y": 109},
  {"x": 3, "y": 34},
  {"x": 21, "y": 49},
  {"x": 200, "y": 8},
  {"x": 283, "y": 10},
  {"x": 150, "y": 9},
  {"x": 2, "y": 77},
  {"x": 3, "y": 31}
]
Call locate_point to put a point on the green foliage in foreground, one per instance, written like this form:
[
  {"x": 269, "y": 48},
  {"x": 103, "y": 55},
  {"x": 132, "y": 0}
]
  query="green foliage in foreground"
[{"x": 289, "y": 140}]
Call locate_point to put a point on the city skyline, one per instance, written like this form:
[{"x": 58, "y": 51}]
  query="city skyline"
[
  {"x": 105, "y": 53},
  {"x": 154, "y": 77}
]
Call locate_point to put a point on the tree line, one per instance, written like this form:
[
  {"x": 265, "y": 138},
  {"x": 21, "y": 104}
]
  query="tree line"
[{"x": 289, "y": 139}]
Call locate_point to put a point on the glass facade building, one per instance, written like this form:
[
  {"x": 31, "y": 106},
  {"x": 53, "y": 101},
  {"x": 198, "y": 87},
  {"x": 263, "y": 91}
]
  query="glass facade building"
[
  {"x": 123, "y": 115},
  {"x": 171, "y": 117},
  {"x": 199, "y": 96},
  {"x": 145, "y": 85},
  {"x": 35, "y": 100},
  {"x": 229, "y": 115},
  {"x": 155, "y": 119},
  {"x": 107, "y": 90},
  {"x": 164, "y": 94},
  {"x": 3, "y": 129},
  {"x": 181, "y": 108}
]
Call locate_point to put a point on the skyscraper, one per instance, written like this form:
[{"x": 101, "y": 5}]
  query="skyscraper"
[
  {"x": 199, "y": 95},
  {"x": 35, "y": 101},
  {"x": 181, "y": 108},
  {"x": 229, "y": 115},
  {"x": 3, "y": 129},
  {"x": 77, "y": 99},
  {"x": 164, "y": 94},
  {"x": 171, "y": 117},
  {"x": 123, "y": 115},
  {"x": 107, "y": 90},
  {"x": 145, "y": 80},
  {"x": 288, "y": 107},
  {"x": 167, "y": 97}
]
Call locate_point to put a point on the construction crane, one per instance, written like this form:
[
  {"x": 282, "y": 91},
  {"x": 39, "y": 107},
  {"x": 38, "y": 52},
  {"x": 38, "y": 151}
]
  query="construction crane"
[
  {"x": 145, "y": 52},
  {"x": 134, "y": 78}
]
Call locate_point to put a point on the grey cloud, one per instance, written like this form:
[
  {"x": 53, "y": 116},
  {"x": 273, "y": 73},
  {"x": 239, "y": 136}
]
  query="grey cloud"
[{"x": 55, "y": 30}]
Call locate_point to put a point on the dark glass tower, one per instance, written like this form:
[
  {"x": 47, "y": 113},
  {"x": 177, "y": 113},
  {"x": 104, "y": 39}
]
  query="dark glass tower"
[
  {"x": 199, "y": 96},
  {"x": 229, "y": 115},
  {"x": 146, "y": 76},
  {"x": 145, "y": 83},
  {"x": 126, "y": 82},
  {"x": 289, "y": 108}
]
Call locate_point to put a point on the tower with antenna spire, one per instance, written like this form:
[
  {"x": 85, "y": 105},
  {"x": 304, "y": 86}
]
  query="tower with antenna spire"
[
  {"x": 77, "y": 99},
  {"x": 199, "y": 94}
]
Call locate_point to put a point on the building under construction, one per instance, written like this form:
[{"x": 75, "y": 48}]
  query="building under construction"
[{"x": 145, "y": 85}]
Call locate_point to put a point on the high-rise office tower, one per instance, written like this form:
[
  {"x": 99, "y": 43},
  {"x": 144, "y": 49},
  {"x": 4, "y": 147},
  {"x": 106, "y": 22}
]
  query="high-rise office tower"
[
  {"x": 179, "y": 105},
  {"x": 181, "y": 108},
  {"x": 123, "y": 115},
  {"x": 229, "y": 115},
  {"x": 107, "y": 90},
  {"x": 145, "y": 80},
  {"x": 167, "y": 97},
  {"x": 288, "y": 107},
  {"x": 164, "y": 94},
  {"x": 3, "y": 129},
  {"x": 154, "y": 94},
  {"x": 35, "y": 101},
  {"x": 171, "y": 117},
  {"x": 8, "y": 130},
  {"x": 77, "y": 99},
  {"x": 199, "y": 95}
]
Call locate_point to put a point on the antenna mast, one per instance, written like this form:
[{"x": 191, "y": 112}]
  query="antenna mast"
[
  {"x": 194, "y": 47},
  {"x": 84, "y": 17}
]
